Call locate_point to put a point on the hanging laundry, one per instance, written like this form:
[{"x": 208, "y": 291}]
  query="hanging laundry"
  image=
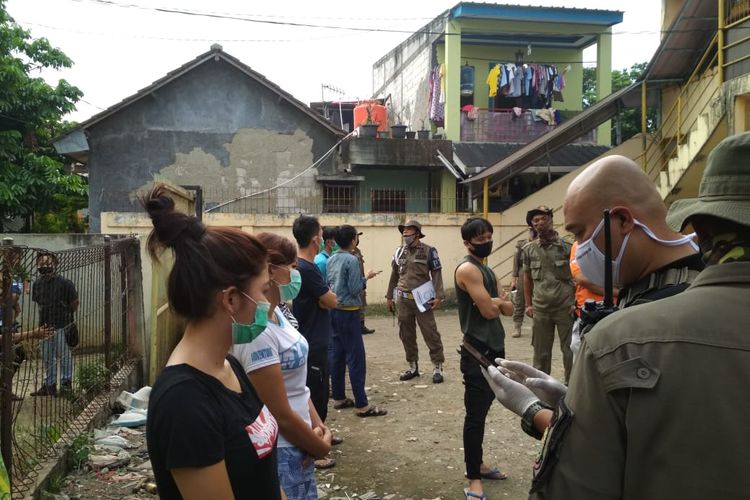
[
  {"x": 492, "y": 79},
  {"x": 437, "y": 108}
]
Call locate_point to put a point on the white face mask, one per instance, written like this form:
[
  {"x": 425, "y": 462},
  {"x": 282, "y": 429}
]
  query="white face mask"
[{"x": 591, "y": 260}]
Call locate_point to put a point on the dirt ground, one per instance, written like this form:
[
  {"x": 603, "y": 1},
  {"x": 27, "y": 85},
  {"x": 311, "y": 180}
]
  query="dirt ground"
[{"x": 415, "y": 452}]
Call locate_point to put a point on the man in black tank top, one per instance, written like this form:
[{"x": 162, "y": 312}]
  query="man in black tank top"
[{"x": 479, "y": 309}]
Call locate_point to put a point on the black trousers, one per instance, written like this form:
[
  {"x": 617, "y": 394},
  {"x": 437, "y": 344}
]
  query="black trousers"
[
  {"x": 318, "y": 380},
  {"x": 478, "y": 398}
]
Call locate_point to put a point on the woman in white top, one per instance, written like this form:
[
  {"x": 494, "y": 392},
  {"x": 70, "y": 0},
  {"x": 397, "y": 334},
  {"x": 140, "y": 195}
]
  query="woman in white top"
[{"x": 276, "y": 362}]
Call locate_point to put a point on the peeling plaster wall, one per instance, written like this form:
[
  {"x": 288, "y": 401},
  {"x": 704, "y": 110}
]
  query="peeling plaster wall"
[{"x": 215, "y": 127}]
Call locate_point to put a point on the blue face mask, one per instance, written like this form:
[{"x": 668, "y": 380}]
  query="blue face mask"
[
  {"x": 242, "y": 333},
  {"x": 289, "y": 291}
]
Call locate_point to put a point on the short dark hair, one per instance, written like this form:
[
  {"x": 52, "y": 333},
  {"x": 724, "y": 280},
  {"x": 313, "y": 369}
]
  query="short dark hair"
[
  {"x": 206, "y": 259},
  {"x": 329, "y": 232},
  {"x": 345, "y": 235},
  {"x": 281, "y": 251},
  {"x": 304, "y": 229},
  {"x": 46, "y": 254},
  {"x": 475, "y": 226}
]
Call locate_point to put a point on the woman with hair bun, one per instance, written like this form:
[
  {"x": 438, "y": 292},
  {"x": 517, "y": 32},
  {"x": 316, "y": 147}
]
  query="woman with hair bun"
[
  {"x": 276, "y": 363},
  {"x": 209, "y": 434}
]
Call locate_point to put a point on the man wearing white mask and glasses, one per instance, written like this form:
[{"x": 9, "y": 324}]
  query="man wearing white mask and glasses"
[{"x": 651, "y": 261}]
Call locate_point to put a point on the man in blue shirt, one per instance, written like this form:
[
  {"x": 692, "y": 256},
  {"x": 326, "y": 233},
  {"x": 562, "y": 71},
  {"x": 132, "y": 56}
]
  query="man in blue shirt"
[
  {"x": 347, "y": 282},
  {"x": 329, "y": 246}
]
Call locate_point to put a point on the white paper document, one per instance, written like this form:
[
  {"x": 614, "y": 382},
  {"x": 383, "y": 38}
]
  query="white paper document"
[{"x": 423, "y": 294}]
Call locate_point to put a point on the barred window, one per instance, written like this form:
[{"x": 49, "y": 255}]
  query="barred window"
[
  {"x": 388, "y": 200},
  {"x": 338, "y": 198}
]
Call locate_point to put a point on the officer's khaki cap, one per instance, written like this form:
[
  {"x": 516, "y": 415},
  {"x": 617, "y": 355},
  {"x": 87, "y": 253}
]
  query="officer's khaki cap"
[
  {"x": 411, "y": 223},
  {"x": 725, "y": 187},
  {"x": 540, "y": 210}
]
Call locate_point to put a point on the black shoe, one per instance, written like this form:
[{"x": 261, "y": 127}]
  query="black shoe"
[
  {"x": 366, "y": 331},
  {"x": 46, "y": 390},
  {"x": 410, "y": 373}
]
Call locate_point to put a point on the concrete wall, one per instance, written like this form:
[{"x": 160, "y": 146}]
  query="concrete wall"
[
  {"x": 404, "y": 74},
  {"x": 380, "y": 238},
  {"x": 213, "y": 126}
]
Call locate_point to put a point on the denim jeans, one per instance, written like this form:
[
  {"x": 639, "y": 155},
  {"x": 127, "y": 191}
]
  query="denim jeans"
[
  {"x": 348, "y": 350},
  {"x": 53, "y": 348},
  {"x": 296, "y": 476}
]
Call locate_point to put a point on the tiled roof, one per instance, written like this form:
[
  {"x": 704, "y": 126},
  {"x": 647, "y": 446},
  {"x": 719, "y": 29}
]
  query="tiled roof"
[{"x": 218, "y": 53}]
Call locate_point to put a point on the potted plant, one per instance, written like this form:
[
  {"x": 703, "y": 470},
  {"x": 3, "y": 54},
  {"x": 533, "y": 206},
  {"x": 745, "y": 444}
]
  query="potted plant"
[
  {"x": 423, "y": 133},
  {"x": 411, "y": 134},
  {"x": 369, "y": 128},
  {"x": 398, "y": 131}
]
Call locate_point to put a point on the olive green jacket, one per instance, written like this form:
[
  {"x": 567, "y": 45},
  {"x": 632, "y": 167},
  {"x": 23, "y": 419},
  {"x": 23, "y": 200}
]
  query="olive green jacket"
[{"x": 659, "y": 397}]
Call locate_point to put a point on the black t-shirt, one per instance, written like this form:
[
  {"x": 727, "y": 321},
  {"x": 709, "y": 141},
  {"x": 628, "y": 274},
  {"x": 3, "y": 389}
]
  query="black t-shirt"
[
  {"x": 314, "y": 321},
  {"x": 55, "y": 296},
  {"x": 196, "y": 421}
]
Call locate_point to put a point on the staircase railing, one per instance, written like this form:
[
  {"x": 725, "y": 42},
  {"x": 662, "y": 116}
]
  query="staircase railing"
[{"x": 695, "y": 95}]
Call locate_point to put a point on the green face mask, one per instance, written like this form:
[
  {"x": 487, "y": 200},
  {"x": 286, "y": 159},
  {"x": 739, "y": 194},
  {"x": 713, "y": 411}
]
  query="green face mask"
[
  {"x": 242, "y": 333},
  {"x": 289, "y": 291}
]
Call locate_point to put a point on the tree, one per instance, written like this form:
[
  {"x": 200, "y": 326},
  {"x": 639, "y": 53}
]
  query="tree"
[
  {"x": 630, "y": 119},
  {"x": 32, "y": 174}
]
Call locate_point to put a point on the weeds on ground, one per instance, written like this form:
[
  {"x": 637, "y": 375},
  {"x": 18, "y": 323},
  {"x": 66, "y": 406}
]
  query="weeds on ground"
[
  {"x": 92, "y": 378},
  {"x": 79, "y": 450}
]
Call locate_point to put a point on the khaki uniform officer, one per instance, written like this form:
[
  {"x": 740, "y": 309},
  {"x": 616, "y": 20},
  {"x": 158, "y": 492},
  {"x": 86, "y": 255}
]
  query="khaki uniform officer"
[
  {"x": 414, "y": 264},
  {"x": 549, "y": 290}
]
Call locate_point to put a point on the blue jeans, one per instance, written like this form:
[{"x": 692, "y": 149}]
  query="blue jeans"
[
  {"x": 348, "y": 350},
  {"x": 52, "y": 348},
  {"x": 296, "y": 476}
]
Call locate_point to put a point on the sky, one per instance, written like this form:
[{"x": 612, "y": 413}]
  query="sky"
[{"x": 121, "y": 46}]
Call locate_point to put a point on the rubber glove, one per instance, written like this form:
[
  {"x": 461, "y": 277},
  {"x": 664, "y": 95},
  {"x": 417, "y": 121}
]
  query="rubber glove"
[
  {"x": 514, "y": 396},
  {"x": 546, "y": 388}
]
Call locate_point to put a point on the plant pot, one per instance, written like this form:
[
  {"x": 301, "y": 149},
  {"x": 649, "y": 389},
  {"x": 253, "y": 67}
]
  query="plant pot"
[
  {"x": 423, "y": 134},
  {"x": 411, "y": 134},
  {"x": 368, "y": 130},
  {"x": 398, "y": 131}
]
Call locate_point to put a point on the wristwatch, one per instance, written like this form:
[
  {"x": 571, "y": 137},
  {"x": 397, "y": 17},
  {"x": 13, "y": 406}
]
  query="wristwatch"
[{"x": 527, "y": 420}]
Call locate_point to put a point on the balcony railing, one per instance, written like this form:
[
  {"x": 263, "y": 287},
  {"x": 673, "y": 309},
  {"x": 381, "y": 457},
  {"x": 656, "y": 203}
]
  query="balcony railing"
[{"x": 504, "y": 125}]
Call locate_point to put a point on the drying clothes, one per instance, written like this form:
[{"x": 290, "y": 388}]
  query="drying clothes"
[
  {"x": 493, "y": 79},
  {"x": 437, "y": 108}
]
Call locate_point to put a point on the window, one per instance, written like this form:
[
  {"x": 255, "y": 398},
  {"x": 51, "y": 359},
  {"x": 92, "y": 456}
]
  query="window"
[
  {"x": 338, "y": 198},
  {"x": 388, "y": 200}
]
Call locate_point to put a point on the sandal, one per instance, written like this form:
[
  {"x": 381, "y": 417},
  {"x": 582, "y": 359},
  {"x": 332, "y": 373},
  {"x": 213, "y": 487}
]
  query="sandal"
[
  {"x": 494, "y": 474},
  {"x": 325, "y": 463},
  {"x": 372, "y": 411},
  {"x": 346, "y": 403},
  {"x": 470, "y": 494}
]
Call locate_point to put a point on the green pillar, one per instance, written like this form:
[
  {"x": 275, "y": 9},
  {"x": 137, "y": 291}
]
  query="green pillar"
[
  {"x": 604, "y": 82},
  {"x": 447, "y": 192},
  {"x": 453, "y": 81}
]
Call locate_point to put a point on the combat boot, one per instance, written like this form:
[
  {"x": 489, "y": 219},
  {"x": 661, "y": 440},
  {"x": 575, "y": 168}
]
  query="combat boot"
[
  {"x": 516, "y": 330},
  {"x": 412, "y": 372}
]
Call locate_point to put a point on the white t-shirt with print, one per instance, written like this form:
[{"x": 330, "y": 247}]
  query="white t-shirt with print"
[{"x": 281, "y": 344}]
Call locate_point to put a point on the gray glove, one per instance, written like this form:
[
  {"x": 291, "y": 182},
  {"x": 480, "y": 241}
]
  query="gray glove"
[
  {"x": 546, "y": 388},
  {"x": 514, "y": 396}
]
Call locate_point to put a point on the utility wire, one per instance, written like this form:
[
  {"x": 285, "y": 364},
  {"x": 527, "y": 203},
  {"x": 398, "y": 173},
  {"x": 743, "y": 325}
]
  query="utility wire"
[{"x": 254, "y": 19}]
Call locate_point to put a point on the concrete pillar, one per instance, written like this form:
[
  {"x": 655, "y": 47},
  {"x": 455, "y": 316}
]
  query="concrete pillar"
[
  {"x": 453, "y": 81},
  {"x": 604, "y": 81}
]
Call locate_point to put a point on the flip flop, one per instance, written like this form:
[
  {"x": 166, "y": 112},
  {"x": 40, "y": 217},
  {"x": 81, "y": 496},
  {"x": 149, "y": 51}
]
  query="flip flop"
[
  {"x": 372, "y": 411},
  {"x": 470, "y": 494},
  {"x": 325, "y": 463},
  {"x": 347, "y": 403},
  {"x": 494, "y": 474}
]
